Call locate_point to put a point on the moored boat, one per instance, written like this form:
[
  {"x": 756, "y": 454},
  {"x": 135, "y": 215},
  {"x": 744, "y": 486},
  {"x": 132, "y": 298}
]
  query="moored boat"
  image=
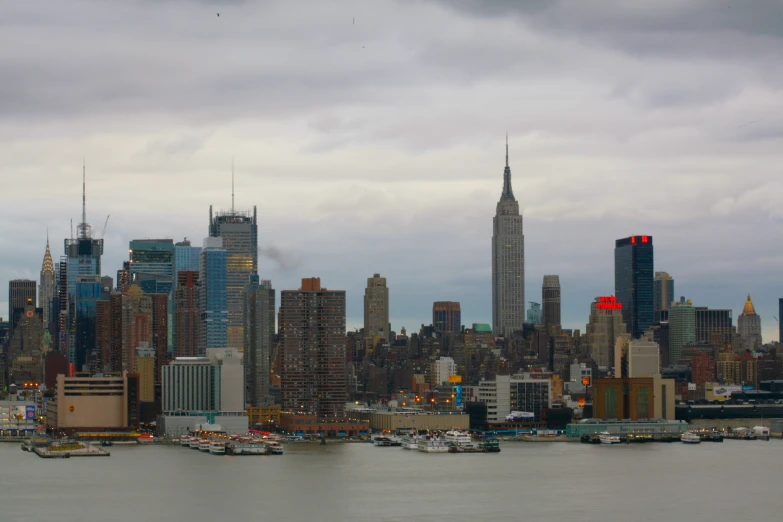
[
  {"x": 185, "y": 440},
  {"x": 193, "y": 443},
  {"x": 217, "y": 447},
  {"x": 145, "y": 438},
  {"x": 382, "y": 441},
  {"x": 491, "y": 445},
  {"x": 431, "y": 444},
  {"x": 690, "y": 438},
  {"x": 275, "y": 448},
  {"x": 608, "y": 438},
  {"x": 203, "y": 445}
]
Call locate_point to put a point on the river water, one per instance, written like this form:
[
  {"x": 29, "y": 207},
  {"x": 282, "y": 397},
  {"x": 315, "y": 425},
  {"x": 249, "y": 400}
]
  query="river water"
[{"x": 733, "y": 481}]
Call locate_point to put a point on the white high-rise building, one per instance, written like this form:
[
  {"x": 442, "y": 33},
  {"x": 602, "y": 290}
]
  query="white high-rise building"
[
  {"x": 508, "y": 262},
  {"x": 442, "y": 368}
]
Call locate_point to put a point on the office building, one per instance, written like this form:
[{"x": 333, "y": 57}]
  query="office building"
[
  {"x": 26, "y": 347},
  {"x": 749, "y": 327},
  {"x": 61, "y": 338},
  {"x": 663, "y": 293},
  {"x": 713, "y": 324},
  {"x": 508, "y": 262},
  {"x": 312, "y": 343},
  {"x": 581, "y": 376},
  {"x": 145, "y": 369},
  {"x": 213, "y": 301},
  {"x": 151, "y": 265},
  {"x": 130, "y": 322},
  {"x": 534, "y": 314},
  {"x": 376, "y": 309},
  {"x": 186, "y": 259},
  {"x": 682, "y": 328},
  {"x": 447, "y": 317},
  {"x": 239, "y": 233},
  {"x": 442, "y": 369},
  {"x": 644, "y": 359},
  {"x": 633, "y": 282},
  {"x": 159, "y": 331},
  {"x": 605, "y": 326},
  {"x": 187, "y": 314},
  {"x": 47, "y": 292},
  {"x": 124, "y": 277},
  {"x": 21, "y": 293},
  {"x": 260, "y": 332},
  {"x": 94, "y": 404},
  {"x": 550, "y": 299},
  {"x": 509, "y": 393},
  {"x": 88, "y": 293},
  {"x": 633, "y": 398},
  {"x": 204, "y": 393}
]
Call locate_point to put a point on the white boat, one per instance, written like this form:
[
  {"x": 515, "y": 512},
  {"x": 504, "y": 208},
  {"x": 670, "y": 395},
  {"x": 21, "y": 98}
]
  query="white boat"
[
  {"x": 217, "y": 448},
  {"x": 458, "y": 437},
  {"x": 411, "y": 442},
  {"x": 203, "y": 445},
  {"x": 185, "y": 441},
  {"x": 382, "y": 441},
  {"x": 193, "y": 443},
  {"x": 690, "y": 438},
  {"x": 430, "y": 444},
  {"x": 248, "y": 448},
  {"x": 608, "y": 438},
  {"x": 275, "y": 448}
]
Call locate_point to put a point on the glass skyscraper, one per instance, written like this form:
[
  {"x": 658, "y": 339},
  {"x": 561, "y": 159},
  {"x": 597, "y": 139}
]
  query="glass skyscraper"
[
  {"x": 633, "y": 282},
  {"x": 186, "y": 259},
  {"x": 151, "y": 264},
  {"x": 239, "y": 232},
  {"x": 88, "y": 292},
  {"x": 213, "y": 302}
]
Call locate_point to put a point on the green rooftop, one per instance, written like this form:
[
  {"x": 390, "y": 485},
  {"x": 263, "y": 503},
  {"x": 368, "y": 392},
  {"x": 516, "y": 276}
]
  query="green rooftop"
[{"x": 481, "y": 327}]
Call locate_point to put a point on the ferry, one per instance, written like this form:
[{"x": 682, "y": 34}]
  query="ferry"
[
  {"x": 275, "y": 448},
  {"x": 203, "y": 445},
  {"x": 411, "y": 442},
  {"x": 248, "y": 448},
  {"x": 608, "y": 438},
  {"x": 217, "y": 448},
  {"x": 430, "y": 444},
  {"x": 458, "y": 437},
  {"x": 193, "y": 443},
  {"x": 690, "y": 438},
  {"x": 491, "y": 446}
]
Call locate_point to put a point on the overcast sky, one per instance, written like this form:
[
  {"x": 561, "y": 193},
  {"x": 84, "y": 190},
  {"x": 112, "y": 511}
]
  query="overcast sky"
[{"x": 370, "y": 135}]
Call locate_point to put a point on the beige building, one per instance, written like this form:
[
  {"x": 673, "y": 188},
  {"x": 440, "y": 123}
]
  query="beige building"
[
  {"x": 376, "y": 310},
  {"x": 605, "y": 326},
  {"x": 643, "y": 358},
  {"x": 93, "y": 404},
  {"x": 145, "y": 368}
]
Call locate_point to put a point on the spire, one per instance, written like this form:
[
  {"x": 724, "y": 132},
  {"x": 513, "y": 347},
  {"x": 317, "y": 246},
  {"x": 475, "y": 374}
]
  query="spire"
[
  {"x": 48, "y": 265},
  {"x": 232, "y": 186},
  {"x": 508, "y": 194},
  {"x": 749, "y": 309},
  {"x": 83, "y": 229}
]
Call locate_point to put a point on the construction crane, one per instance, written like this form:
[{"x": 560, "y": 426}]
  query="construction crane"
[{"x": 105, "y": 224}]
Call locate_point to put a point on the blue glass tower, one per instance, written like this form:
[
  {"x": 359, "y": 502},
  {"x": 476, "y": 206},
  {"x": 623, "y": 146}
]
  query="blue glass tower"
[
  {"x": 633, "y": 282},
  {"x": 88, "y": 293},
  {"x": 186, "y": 259},
  {"x": 213, "y": 299}
]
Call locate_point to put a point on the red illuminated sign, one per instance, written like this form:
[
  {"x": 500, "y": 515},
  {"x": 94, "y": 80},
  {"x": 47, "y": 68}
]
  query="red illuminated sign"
[
  {"x": 608, "y": 302},
  {"x": 643, "y": 239},
  {"x": 633, "y": 239}
]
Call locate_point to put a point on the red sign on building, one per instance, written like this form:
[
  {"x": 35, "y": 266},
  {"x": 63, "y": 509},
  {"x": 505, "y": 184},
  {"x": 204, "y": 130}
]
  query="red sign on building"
[{"x": 608, "y": 302}]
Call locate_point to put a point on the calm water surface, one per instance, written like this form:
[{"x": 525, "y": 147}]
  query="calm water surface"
[{"x": 732, "y": 481}]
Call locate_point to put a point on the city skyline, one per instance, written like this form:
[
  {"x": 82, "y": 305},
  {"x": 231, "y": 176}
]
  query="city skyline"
[{"x": 609, "y": 167}]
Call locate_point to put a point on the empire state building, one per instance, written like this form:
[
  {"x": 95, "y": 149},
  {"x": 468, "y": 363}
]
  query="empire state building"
[{"x": 508, "y": 262}]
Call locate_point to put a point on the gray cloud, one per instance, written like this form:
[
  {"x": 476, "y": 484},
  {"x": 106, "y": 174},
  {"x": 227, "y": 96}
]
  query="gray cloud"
[{"x": 377, "y": 146}]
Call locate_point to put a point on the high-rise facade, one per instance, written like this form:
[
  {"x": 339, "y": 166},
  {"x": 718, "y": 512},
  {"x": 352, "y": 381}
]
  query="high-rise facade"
[
  {"x": 131, "y": 326},
  {"x": 714, "y": 325},
  {"x": 260, "y": 332},
  {"x": 682, "y": 328},
  {"x": 21, "y": 293},
  {"x": 376, "y": 308},
  {"x": 186, "y": 316},
  {"x": 47, "y": 291},
  {"x": 550, "y": 299},
  {"x": 213, "y": 300},
  {"x": 605, "y": 327},
  {"x": 152, "y": 264},
  {"x": 663, "y": 293},
  {"x": 633, "y": 282},
  {"x": 312, "y": 342},
  {"x": 780, "y": 318},
  {"x": 239, "y": 232},
  {"x": 186, "y": 259},
  {"x": 749, "y": 326},
  {"x": 447, "y": 317},
  {"x": 534, "y": 313},
  {"x": 61, "y": 270},
  {"x": 88, "y": 292},
  {"x": 508, "y": 262}
]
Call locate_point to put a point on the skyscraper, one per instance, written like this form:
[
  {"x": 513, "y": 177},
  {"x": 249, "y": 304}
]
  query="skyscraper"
[
  {"x": 186, "y": 316},
  {"x": 663, "y": 293},
  {"x": 84, "y": 259},
  {"x": 605, "y": 326},
  {"x": 213, "y": 295},
  {"x": 239, "y": 232},
  {"x": 313, "y": 343},
  {"x": 749, "y": 326},
  {"x": 534, "y": 313},
  {"x": 376, "y": 308},
  {"x": 780, "y": 318},
  {"x": 21, "y": 292},
  {"x": 550, "y": 299},
  {"x": 152, "y": 264},
  {"x": 447, "y": 316},
  {"x": 682, "y": 328},
  {"x": 713, "y": 324},
  {"x": 88, "y": 292},
  {"x": 47, "y": 291},
  {"x": 186, "y": 258},
  {"x": 260, "y": 332},
  {"x": 508, "y": 262},
  {"x": 61, "y": 269},
  {"x": 633, "y": 282}
]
